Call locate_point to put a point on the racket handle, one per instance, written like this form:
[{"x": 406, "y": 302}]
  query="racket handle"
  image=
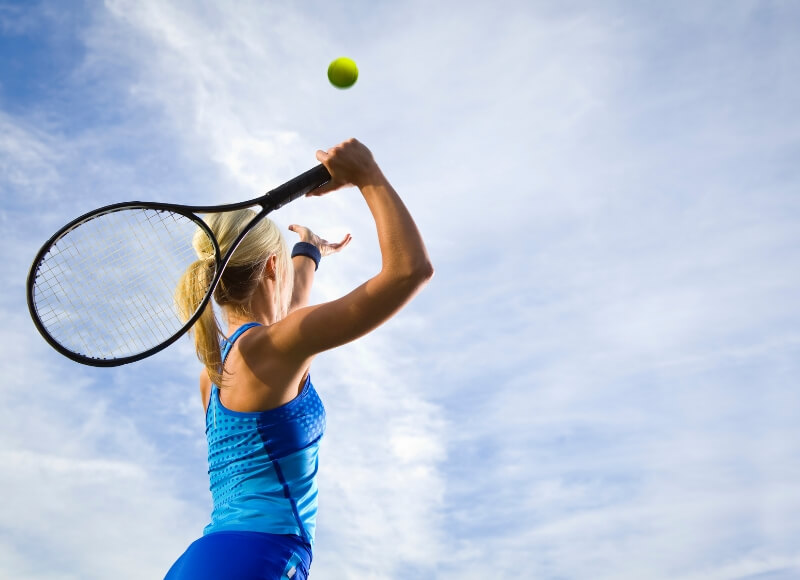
[{"x": 297, "y": 187}]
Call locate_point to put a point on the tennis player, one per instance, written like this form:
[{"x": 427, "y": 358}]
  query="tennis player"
[{"x": 264, "y": 419}]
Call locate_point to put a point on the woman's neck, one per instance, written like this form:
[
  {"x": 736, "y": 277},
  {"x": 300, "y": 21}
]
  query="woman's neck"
[{"x": 262, "y": 309}]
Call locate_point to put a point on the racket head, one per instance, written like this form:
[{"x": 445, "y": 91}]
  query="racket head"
[{"x": 101, "y": 290}]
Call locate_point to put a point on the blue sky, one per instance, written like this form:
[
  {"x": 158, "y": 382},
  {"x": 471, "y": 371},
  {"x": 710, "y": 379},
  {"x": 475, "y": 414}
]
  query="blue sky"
[{"x": 600, "y": 382}]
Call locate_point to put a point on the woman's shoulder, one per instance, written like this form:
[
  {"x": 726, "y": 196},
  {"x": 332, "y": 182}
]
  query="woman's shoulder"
[
  {"x": 270, "y": 342},
  {"x": 264, "y": 374}
]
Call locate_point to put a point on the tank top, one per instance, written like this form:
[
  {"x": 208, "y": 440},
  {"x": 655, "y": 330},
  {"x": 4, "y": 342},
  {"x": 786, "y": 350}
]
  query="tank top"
[{"x": 262, "y": 466}]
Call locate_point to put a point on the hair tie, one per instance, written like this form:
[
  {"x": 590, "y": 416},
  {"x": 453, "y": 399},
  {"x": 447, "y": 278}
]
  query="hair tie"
[{"x": 209, "y": 263}]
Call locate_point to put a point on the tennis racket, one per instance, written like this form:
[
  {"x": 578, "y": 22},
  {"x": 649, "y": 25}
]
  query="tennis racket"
[{"x": 101, "y": 290}]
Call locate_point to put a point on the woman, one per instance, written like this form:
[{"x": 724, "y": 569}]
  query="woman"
[{"x": 264, "y": 419}]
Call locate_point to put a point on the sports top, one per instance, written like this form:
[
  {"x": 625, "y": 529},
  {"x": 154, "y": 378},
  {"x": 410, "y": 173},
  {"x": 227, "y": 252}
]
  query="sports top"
[{"x": 262, "y": 466}]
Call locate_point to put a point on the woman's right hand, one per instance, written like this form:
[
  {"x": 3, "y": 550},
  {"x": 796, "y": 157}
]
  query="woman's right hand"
[{"x": 349, "y": 163}]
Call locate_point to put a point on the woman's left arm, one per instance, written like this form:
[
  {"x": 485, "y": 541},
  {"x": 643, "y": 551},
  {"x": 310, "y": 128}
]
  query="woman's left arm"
[{"x": 305, "y": 266}]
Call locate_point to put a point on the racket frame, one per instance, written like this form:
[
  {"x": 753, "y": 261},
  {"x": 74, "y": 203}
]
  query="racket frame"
[{"x": 270, "y": 201}]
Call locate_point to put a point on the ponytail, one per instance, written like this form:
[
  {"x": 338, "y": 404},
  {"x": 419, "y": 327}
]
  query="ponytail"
[{"x": 191, "y": 290}]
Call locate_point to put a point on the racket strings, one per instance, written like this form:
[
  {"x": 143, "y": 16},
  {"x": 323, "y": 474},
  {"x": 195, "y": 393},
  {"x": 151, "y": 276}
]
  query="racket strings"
[
  {"x": 106, "y": 288},
  {"x": 96, "y": 306}
]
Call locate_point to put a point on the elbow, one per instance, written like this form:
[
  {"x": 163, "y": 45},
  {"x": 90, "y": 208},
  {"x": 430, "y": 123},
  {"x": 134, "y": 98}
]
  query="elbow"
[
  {"x": 412, "y": 276},
  {"x": 425, "y": 272},
  {"x": 421, "y": 273}
]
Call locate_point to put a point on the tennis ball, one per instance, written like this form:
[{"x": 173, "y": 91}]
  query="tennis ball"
[{"x": 343, "y": 73}]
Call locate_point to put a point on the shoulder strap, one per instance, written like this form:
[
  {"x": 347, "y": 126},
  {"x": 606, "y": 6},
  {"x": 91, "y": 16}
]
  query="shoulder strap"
[{"x": 227, "y": 344}]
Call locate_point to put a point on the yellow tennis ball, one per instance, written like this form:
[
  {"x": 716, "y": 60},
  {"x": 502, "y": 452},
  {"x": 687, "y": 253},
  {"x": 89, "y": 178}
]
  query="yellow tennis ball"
[{"x": 343, "y": 73}]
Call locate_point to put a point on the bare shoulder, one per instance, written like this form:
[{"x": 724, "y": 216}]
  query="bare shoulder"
[
  {"x": 265, "y": 372},
  {"x": 267, "y": 343},
  {"x": 205, "y": 387}
]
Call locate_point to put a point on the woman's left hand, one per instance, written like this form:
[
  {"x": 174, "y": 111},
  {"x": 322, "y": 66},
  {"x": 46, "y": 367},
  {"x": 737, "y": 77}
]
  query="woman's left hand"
[{"x": 325, "y": 247}]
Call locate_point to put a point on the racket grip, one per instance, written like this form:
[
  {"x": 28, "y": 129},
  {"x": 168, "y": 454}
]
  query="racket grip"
[{"x": 297, "y": 187}]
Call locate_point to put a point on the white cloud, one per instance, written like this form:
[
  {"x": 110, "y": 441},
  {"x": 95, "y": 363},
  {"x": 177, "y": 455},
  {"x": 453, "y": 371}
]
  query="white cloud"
[
  {"x": 599, "y": 381},
  {"x": 27, "y": 157},
  {"x": 380, "y": 476},
  {"x": 89, "y": 495}
]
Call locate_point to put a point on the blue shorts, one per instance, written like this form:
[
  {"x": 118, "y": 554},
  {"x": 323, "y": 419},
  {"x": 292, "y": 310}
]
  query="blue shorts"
[{"x": 243, "y": 556}]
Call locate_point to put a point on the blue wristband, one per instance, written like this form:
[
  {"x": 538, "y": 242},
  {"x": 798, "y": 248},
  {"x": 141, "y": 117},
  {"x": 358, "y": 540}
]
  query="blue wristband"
[{"x": 309, "y": 251}]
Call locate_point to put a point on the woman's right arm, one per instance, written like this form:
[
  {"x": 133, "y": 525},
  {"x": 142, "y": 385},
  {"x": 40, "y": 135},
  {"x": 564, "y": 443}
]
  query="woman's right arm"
[{"x": 405, "y": 265}]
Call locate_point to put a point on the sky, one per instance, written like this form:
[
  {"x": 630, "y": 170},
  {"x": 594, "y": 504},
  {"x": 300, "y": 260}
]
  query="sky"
[{"x": 601, "y": 380}]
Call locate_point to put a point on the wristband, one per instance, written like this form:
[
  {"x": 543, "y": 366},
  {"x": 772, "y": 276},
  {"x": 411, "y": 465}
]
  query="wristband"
[{"x": 309, "y": 251}]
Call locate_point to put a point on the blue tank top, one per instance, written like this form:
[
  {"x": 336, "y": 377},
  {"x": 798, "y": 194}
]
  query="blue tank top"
[{"x": 263, "y": 465}]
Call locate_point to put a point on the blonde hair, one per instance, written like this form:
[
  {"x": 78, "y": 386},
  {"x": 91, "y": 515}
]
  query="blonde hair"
[{"x": 240, "y": 279}]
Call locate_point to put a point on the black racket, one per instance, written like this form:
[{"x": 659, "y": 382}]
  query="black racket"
[{"x": 101, "y": 290}]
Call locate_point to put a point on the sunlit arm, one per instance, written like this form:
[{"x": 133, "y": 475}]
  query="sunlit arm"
[{"x": 304, "y": 271}]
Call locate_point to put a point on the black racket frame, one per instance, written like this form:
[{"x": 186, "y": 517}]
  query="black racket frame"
[{"x": 269, "y": 202}]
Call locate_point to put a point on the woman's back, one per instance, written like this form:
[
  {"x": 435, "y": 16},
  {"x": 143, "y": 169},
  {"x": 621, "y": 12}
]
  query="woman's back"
[{"x": 262, "y": 465}]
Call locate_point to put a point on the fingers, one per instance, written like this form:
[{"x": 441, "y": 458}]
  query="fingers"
[
  {"x": 339, "y": 246},
  {"x": 344, "y": 242},
  {"x": 322, "y": 156}
]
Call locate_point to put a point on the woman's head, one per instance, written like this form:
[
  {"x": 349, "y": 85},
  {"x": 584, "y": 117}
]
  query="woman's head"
[{"x": 242, "y": 278}]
